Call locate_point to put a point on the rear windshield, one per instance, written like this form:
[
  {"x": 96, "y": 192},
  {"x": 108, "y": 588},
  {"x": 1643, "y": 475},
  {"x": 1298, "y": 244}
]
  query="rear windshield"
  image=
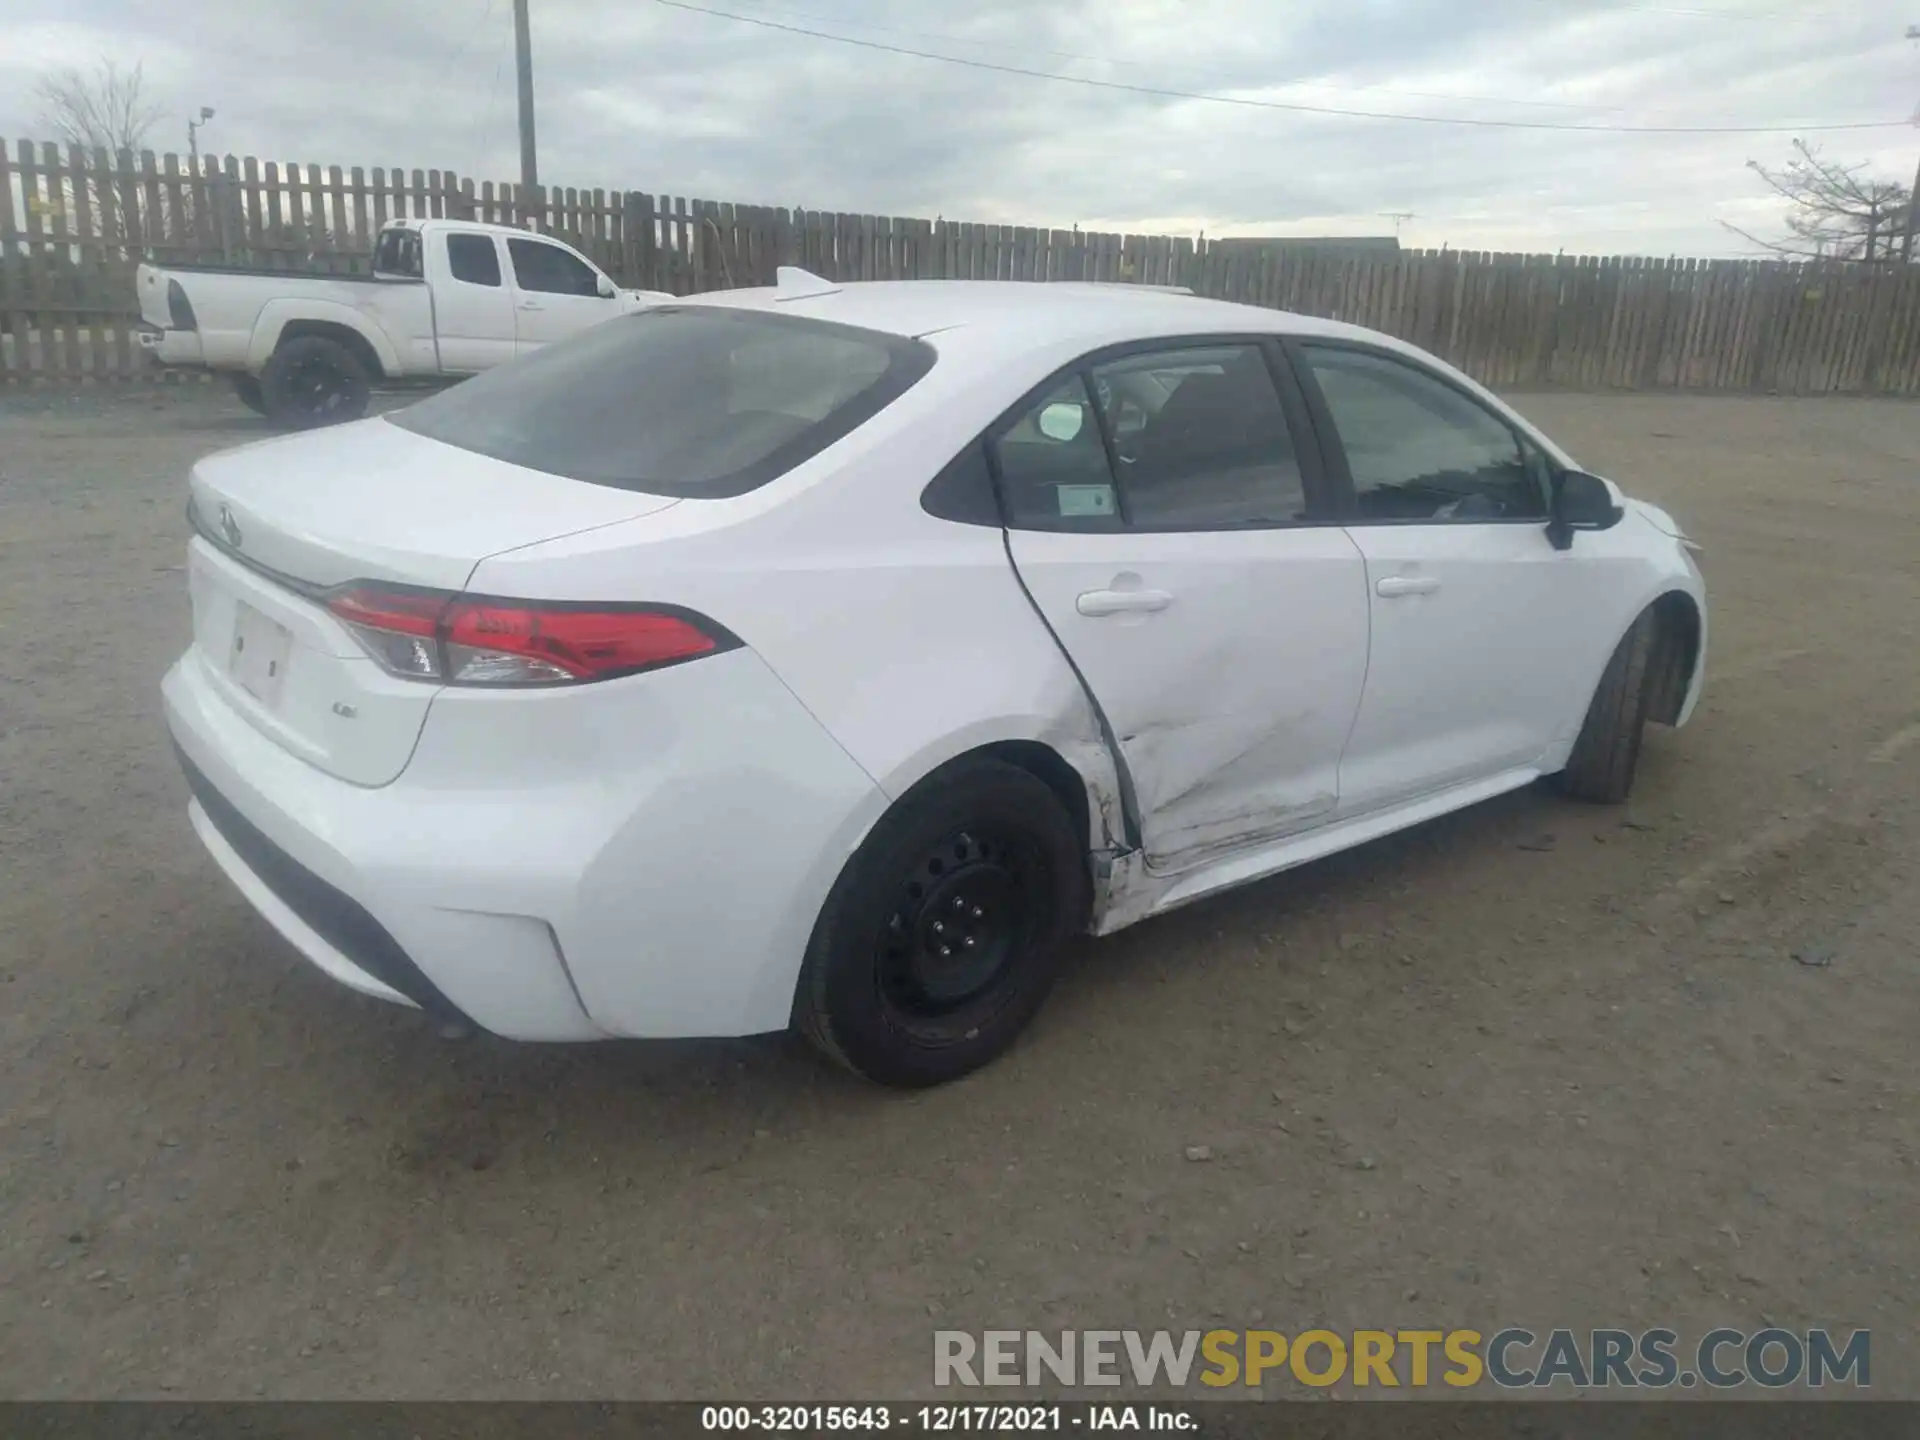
[{"x": 685, "y": 400}]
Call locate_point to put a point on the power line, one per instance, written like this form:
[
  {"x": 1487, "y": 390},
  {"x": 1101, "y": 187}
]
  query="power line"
[
  {"x": 1296, "y": 107},
  {"x": 946, "y": 38}
]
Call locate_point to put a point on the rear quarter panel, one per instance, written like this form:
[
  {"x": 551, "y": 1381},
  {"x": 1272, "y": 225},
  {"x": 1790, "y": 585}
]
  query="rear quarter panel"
[{"x": 908, "y": 637}]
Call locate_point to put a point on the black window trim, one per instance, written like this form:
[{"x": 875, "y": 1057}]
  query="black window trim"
[
  {"x": 499, "y": 281},
  {"x": 1332, "y": 450},
  {"x": 1320, "y": 495},
  {"x": 567, "y": 250}
]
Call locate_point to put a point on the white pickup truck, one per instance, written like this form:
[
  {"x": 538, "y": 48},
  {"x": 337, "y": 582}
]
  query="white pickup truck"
[{"x": 446, "y": 298}]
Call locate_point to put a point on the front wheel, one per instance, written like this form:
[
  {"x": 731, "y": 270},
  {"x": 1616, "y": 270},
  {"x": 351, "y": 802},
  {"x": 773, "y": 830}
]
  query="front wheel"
[
  {"x": 1607, "y": 753},
  {"x": 312, "y": 381},
  {"x": 248, "y": 390},
  {"x": 940, "y": 940}
]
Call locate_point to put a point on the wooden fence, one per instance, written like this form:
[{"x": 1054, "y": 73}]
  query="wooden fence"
[{"x": 74, "y": 223}]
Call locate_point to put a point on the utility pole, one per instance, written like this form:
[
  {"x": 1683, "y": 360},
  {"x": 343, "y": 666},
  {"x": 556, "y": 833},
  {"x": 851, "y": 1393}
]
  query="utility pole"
[
  {"x": 523, "y": 63},
  {"x": 1913, "y": 200}
]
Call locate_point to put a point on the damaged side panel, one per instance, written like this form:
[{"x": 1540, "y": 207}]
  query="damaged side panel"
[{"x": 1230, "y": 697}]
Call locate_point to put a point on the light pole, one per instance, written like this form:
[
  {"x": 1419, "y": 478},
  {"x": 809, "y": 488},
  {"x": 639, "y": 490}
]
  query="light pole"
[
  {"x": 193, "y": 163},
  {"x": 193, "y": 135}
]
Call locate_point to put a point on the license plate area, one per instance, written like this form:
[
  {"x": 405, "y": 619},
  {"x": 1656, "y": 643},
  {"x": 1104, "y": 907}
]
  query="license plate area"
[{"x": 258, "y": 657}]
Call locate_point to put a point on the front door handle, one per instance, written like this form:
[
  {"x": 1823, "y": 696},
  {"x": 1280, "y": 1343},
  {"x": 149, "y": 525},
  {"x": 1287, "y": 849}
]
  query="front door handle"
[
  {"x": 1121, "y": 602},
  {"x": 1394, "y": 586},
  {"x": 531, "y": 305}
]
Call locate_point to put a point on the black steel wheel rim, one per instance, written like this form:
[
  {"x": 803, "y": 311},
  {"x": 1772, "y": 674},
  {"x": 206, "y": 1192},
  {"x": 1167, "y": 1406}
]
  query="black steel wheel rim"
[
  {"x": 316, "y": 387},
  {"x": 962, "y": 916}
]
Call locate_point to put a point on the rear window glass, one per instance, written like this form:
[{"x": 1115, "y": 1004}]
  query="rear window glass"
[
  {"x": 397, "y": 252},
  {"x": 692, "y": 401}
]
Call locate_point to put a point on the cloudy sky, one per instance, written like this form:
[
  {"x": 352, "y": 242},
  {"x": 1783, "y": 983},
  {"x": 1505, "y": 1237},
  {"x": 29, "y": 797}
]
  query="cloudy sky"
[{"x": 636, "y": 94}]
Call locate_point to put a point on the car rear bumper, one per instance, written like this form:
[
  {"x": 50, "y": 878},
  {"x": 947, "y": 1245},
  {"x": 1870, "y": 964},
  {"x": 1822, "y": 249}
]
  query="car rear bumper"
[
  {"x": 662, "y": 884},
  {"x": 169, "y": 347}
]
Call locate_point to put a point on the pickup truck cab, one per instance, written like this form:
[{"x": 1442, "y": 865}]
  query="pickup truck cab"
[{"x": 447, "y": 298}]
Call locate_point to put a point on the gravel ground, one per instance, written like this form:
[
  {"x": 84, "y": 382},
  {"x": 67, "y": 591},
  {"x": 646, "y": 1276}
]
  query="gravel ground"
[{"x": 1534, "y": 1064}]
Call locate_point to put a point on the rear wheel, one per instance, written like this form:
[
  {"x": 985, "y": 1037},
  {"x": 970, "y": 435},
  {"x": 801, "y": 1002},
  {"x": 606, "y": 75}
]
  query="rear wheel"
[
  {"x": 940, "y": 940},
  {"x": 312, "y": 381},
  {"x": 1605, "y": 757},
  {"x": 248, "y": 389}
]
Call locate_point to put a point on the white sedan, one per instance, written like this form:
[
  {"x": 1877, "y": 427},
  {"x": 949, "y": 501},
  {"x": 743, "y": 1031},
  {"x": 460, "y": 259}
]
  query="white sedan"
[{"x": 825, "y": 655}]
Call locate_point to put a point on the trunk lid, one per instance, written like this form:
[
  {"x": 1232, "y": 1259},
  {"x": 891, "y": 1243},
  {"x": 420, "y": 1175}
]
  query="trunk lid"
[{"x": 286, "y": 519}]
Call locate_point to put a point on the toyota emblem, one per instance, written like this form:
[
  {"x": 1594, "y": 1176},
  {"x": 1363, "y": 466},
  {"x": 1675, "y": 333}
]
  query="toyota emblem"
[{"x": 229, "y": 526}]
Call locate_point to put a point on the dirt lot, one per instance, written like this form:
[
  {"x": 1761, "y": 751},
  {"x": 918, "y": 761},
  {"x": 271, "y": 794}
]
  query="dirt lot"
[{"x": 1468, "y": 1076}]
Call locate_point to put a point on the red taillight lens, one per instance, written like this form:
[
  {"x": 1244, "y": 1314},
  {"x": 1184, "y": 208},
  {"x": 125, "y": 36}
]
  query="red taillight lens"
[{"x": 476, "y": 640}]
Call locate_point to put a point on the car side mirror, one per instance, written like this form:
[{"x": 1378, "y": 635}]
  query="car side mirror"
[
  {"x": 1582, "y": 502},
  {"x": 605, "y": 288}
]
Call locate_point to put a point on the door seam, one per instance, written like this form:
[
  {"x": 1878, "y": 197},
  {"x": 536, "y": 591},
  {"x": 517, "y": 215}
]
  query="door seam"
[{"x": 1123, "y": 777}]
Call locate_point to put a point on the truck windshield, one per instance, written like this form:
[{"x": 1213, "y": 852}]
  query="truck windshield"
[{"x": 693, "y": 400}]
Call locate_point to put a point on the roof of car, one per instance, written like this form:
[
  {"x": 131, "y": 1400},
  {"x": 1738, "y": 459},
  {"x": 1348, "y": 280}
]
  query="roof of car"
[{"x": 1015, "y": 310}]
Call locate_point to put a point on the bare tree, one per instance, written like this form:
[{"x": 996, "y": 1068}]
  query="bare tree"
[
  {"x": 1834, "y": 211},
  {"x": 104, "y": 109},
  {"x": 107, "y": 109}
]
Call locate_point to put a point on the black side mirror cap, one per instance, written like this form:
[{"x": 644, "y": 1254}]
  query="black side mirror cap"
[{"x": 1580, "y": 502}]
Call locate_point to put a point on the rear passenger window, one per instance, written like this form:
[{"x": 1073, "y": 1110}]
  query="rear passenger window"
[
  {"x": 1053, "y": 465},
  {"x": 474, "y": 259},
  {"x": 1201, "y": 439}
]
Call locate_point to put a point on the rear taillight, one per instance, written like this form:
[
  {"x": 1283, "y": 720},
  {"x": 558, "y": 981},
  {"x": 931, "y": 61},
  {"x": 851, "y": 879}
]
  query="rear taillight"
[
  {"x": 482, "y": 640},
  {"x": 179, "y": 308}
]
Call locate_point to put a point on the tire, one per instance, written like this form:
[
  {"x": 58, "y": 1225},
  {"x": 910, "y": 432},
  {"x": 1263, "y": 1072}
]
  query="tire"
[
  {"x": 982, "y": 854},
  {"x": 312, "y": 381},
  {"x": 1607, "y": 752},
  {"x": 248, "y": 389}
]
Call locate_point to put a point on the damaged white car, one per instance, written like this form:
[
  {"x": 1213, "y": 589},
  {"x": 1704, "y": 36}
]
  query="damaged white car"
[{"x": 825, "y": 655}]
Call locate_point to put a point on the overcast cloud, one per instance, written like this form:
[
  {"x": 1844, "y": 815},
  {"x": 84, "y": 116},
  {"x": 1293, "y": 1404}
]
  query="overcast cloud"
[{"x": 635, "y": 95}]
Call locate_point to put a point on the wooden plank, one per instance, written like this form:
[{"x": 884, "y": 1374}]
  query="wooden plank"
[
  {"x": 274, "y": 225},
  {"x": 88, "y": 290},
  {"x": 1733, "y": 299},
  {"x": 47, "y": 362},
  {"x": 253, "y": 209},
  {"x": 1866, "y": 314},
  {"x": 685, "y": 282},
  {"x": 340, "y": 231},
  {"x": 1903, "y": 334},
  {"x": 178, "y": 208},
  {"x": 114, "y": 267},
  {"x": 153, "y": 228},
  {"x": 303, "y": 218},
  {"x": 63, "y": 274},
  {"x": 1653, "y": 301},
  {"x": 13, "y": 299},
  {"x": 1907, "y": 377},
  {"x": 363, "y": 233}
]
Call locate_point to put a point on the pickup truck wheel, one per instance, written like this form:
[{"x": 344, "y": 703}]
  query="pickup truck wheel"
[
  {"x": 248, "y": 389},
  {"x": 312, "y": 381}
]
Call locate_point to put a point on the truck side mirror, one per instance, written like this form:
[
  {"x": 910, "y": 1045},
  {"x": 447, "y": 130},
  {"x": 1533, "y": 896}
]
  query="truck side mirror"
[{"x": 605, "y": 288}]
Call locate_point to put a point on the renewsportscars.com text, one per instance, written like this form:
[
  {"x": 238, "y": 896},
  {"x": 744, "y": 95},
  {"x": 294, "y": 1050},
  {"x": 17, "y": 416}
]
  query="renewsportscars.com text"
[{"x": 1513, "y": 1358}]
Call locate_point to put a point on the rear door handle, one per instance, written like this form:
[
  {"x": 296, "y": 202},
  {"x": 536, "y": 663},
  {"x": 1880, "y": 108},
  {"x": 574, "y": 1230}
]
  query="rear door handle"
[
  {"x": 1394, "y": 586},
  {"x": 1121, "y": 602}
]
